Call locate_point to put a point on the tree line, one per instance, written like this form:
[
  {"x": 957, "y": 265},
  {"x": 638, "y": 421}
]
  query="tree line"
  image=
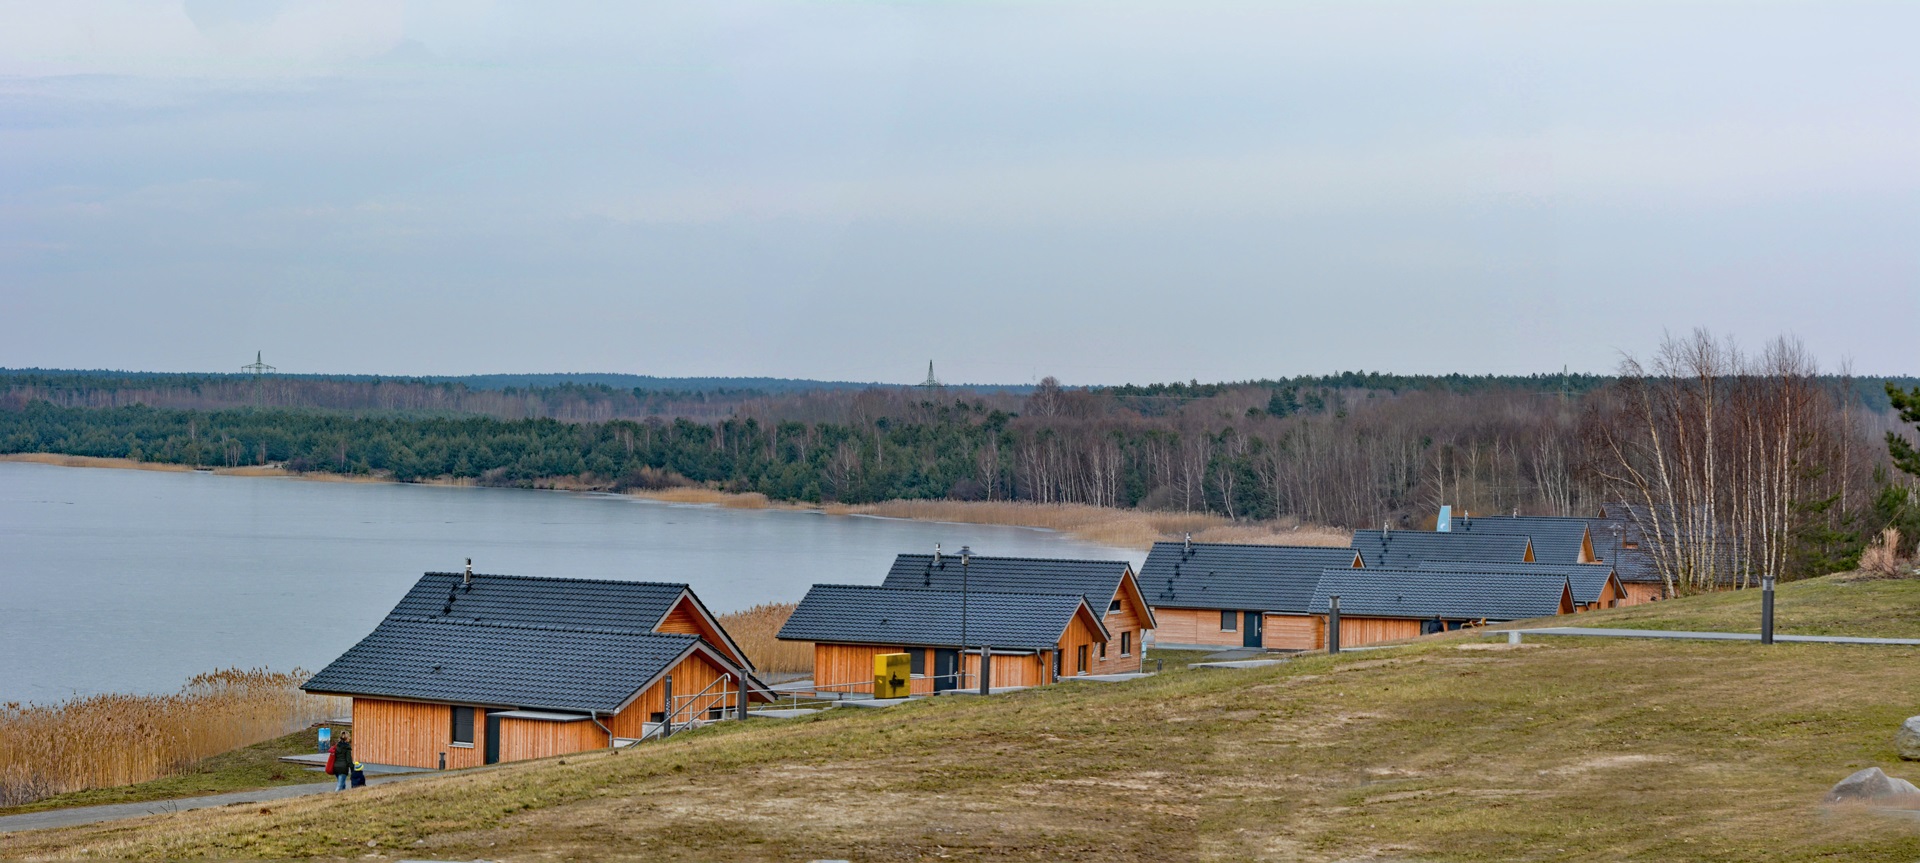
[{"x": 1354, "y": 452}]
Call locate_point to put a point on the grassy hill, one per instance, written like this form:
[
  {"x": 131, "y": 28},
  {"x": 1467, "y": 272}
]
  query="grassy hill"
[{"x": 1453, "y": 748}]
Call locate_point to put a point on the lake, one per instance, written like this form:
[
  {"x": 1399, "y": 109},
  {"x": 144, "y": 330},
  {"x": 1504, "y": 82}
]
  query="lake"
[{"x": 133, "y": 581}]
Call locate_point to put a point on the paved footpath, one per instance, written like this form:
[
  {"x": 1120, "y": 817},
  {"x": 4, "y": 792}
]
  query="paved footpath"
[
  {"x": 118, "y": 811},
  {"x": 1705, "y": 636}
]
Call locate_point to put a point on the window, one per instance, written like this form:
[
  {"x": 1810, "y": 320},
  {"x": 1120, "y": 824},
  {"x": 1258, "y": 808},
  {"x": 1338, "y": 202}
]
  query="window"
[
  {"x": 1083, "y": 660},
  {"x": 463, "y": 726},
  {"x": 1113, "y": 606},
  {"x": 1126, "y": 643},
  {"x": 1103, "y": 650},
  {"x": 1229, "y": 621},
  {"x": 917, "y": 662}
]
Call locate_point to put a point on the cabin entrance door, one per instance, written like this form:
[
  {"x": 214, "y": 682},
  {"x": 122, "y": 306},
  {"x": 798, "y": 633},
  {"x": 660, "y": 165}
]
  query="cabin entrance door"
[
  {"x": 1250, "y": 629},
  {"x": 946, "y": 670},
  {"x": 493, "y": 738}
]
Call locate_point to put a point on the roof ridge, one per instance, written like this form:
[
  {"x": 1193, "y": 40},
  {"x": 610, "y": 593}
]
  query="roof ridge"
[
  {"x": 543, "y": 627},
  {"x": 955, "y": 555},
  {"x": 679, "y": 584},
  {"x": 1066, "y": 594},
  {"x": 1158, "y": 542}
]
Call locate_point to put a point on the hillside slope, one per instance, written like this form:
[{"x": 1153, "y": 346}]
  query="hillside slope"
[{"x": 1450, "y": 749}]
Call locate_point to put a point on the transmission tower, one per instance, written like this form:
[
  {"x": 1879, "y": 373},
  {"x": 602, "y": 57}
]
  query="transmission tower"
[
  {"x": 257, "y": 367},
  {"x": 931, "y": 382}
]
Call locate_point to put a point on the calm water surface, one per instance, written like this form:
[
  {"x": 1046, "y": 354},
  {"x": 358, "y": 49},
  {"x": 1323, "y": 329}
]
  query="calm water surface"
[{"x": 132, "y": 581}]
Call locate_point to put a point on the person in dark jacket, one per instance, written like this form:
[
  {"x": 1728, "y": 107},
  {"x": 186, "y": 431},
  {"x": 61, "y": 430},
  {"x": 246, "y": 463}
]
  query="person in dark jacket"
[{"x": 341, "y": 765}]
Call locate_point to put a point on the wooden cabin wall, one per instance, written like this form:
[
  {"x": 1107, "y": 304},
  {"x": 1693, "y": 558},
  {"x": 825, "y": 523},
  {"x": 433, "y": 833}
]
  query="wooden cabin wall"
[
  {"x": 685, "y": 619},
  {"x": 1021, "y": 670},
  {"x": 521, "y": 739},
  {"x": 411, "y": 734},
  {"x": 1078, "y": 633},
  {"x": 1131, "y": 618},
  {"x": 1639, "y": 592},
  {"x": 691, "y": 675},
  {"x": 1356, "y": 631},
  {"x": 1294, "y": 632},
  {"x": 846, "y": 667},
  {"x": 1192, "y": 626}
]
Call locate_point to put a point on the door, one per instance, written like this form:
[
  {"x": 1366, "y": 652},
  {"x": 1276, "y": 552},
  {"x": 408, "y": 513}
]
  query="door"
[
  {"x": 946, "y": 670},
  {"x": 493, "y": 738},
  {"x": 1250, "y": 629}
]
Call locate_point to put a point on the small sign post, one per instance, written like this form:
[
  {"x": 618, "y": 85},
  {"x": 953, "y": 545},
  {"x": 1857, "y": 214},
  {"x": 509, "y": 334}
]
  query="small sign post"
[
  {"x": 1766, "y": 610},
  {"x": 1333, "y": 624}
]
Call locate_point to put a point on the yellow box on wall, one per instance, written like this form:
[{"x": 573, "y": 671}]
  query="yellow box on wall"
[{"x": 892, "y": 675}]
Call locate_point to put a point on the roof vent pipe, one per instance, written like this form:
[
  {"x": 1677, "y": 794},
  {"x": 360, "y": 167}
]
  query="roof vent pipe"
[
  {"x": 1186, "y": 545},
  {"x": 467, "y": 580},
  {"x": 936, "y": 554}
]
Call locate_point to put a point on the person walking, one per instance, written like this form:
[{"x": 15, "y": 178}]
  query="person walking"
[{"x": 340, "y": 763}]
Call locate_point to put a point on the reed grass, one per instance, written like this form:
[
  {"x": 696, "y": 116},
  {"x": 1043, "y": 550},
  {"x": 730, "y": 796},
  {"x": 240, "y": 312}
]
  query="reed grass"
[
  {"x": 100, "y": 741},
  {"x": 700, "y": 495},
  {"x": 1126, "y": 528},
  {"x": 754, "y": 630}
]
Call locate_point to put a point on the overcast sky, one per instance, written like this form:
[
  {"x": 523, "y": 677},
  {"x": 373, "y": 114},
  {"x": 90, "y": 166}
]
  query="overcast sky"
[{"x": 1105, "y": 192}]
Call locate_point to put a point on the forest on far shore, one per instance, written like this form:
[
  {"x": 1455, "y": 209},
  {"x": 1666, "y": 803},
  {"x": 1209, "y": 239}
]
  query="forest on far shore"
[{"x": 1352, "y": 450}]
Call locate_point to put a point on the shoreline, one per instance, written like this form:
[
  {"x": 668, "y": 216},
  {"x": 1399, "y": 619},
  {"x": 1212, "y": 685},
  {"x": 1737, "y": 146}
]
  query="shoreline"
[{"x": 1120, "y": 528}]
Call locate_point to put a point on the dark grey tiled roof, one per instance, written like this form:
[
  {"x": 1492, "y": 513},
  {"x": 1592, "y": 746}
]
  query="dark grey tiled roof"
[
  {"x": 633, "y": 605},
  {"x": 1635, "y": 523},
  {"x": 1240, "y": 577},
  {"x": 1411, "y": 547},
  {"x": 1589, "y": 580},
  {"x": 863, "y": 614},
  {"x": 1097, "y": 580},
  {"x": 1447, "y": 594},
  {"x": 1555, "y": 540},
  {"x": 502, "y": 664}
]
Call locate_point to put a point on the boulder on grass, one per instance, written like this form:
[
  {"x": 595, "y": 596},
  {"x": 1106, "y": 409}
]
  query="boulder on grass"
[
  {"x": 1907, "y": 739},
  {"x": 1870, "y": 784}
]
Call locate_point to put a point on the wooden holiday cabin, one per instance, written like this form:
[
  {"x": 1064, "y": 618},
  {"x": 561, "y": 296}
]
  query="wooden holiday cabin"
[
  {"x": 1392, "y": 604},
  {"x": 1035, "y": 638},
  {"x": 1109, "y": 587},
  {"x": 1410, "y": 548},
  {"x": 473, "y": 669},
  {"x": 1220, "y": 595},
  {"x": 1594, "y": 585}
]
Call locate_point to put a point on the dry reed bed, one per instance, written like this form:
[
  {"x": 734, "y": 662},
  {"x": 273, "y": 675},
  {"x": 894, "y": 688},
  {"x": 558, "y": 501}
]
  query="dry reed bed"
[
  {"x": 1128, "y": 528},
  {"x": 754, "y": 630},
  {"x": 105, "y": 740}
]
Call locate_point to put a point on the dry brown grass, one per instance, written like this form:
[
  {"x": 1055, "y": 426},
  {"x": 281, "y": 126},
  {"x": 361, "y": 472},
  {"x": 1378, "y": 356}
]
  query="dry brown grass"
[
  {"x": 90, "y": 461},
  {"x": 1127, "y": 528},
  {"x": 754, "y": 630},
  {"x": 698, "y": 495},
  {"x": 106, "y": 740},
  {"x": 1883, "y": 556}
]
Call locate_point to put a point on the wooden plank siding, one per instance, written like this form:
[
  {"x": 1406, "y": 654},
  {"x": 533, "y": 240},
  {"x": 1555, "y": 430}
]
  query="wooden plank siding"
[
  {"x": 1357, "y": 631},
  {"x": 1294, "y": 632},
  {"x": 685, "y": 618},
  {"x": 411, "y": 734},
  {"x": 1035, "y": 669},
  {"x": 521, "y": 739},
  {"x": 1193, "y": 626},
  {"x": 1129, "y": 618},
  {"x": 691, "y": 675},
  {"x": 1639, "y": 592},
  {"x": 1080, "y": 633}
]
